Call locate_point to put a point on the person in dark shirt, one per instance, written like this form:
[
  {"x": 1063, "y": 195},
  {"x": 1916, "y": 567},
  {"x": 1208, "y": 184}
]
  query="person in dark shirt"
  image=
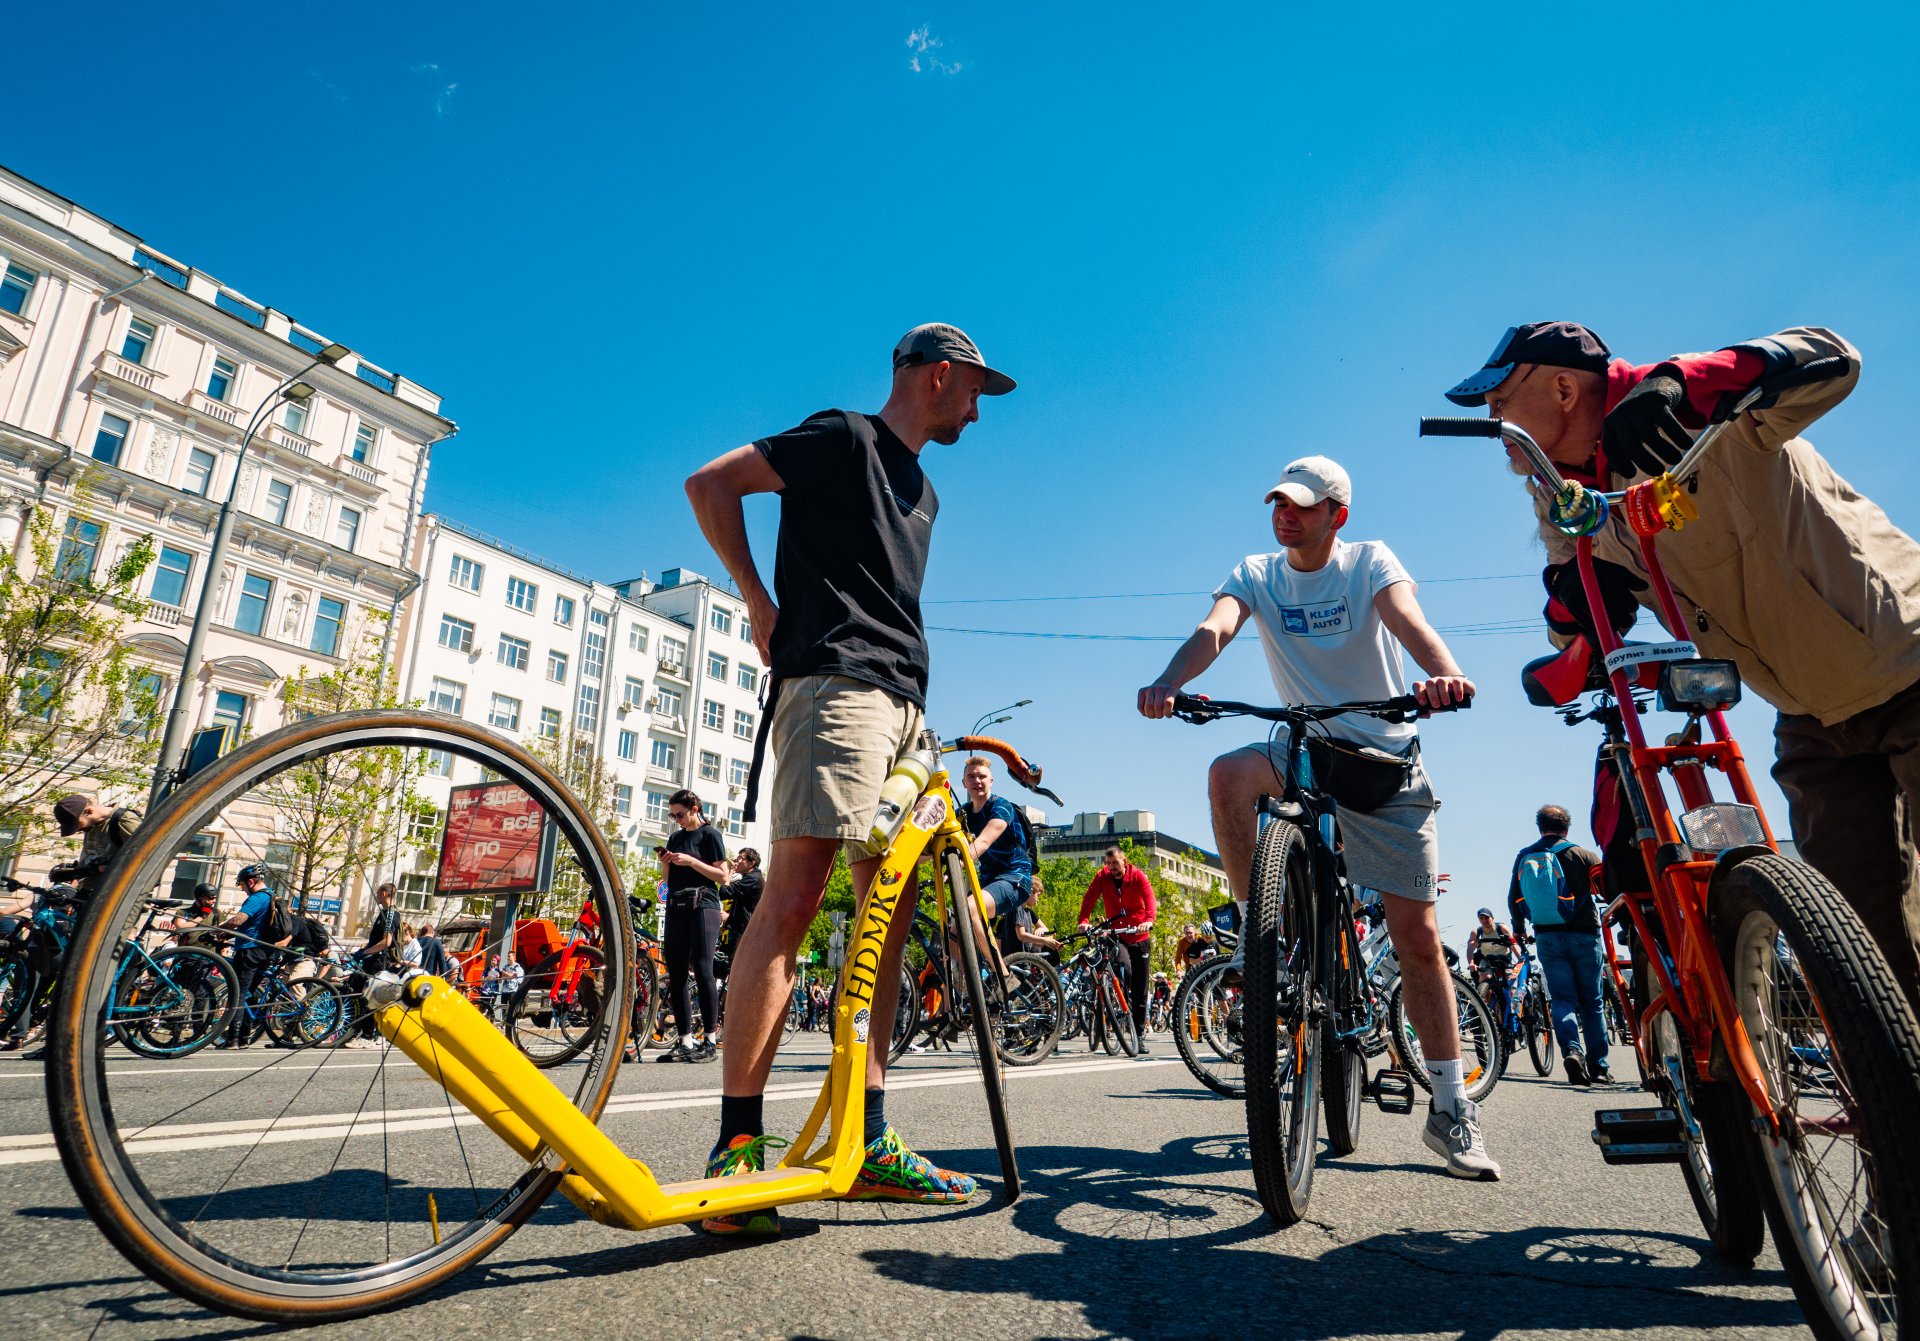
[
  {"x": 848, "y": 655},
  {"x": 999, "y": 849},
  {"x": 434, "y": 958},
  {"x": 1566, "y": 936},
  {"x": 743, "y": 896},
  {"x": 696, "y": 866},
  {"x": 251, "y": 952}
]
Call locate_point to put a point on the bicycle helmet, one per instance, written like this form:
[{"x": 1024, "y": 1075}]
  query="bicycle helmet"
[
  {"x": 207, "y": 894},
  {"x": 258, "y": 871}
]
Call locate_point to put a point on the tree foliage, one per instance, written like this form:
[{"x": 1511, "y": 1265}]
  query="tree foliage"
[{"x": 76, "y": 707}]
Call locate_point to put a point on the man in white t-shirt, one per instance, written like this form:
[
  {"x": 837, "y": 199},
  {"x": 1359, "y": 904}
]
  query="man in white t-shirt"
[{"x": 1334, "y": 617}]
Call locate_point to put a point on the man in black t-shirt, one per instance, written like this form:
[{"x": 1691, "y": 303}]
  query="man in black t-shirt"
[
  {"x": 743, "y": 896},
  {"x": 848, "y": 655}
]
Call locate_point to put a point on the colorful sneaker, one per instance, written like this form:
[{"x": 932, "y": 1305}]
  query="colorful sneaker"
[
  {"x": 893, "y": 1172},
  {"x": 744, "y": 1154}
]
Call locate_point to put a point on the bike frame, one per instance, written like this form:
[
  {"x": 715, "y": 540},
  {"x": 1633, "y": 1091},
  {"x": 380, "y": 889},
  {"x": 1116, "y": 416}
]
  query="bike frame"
[{"x": 435, "y": 1025}]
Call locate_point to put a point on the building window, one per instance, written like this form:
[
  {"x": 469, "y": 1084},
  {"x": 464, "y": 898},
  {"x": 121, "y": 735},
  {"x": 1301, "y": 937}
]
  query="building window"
[
  {"x": 673, "y": 652},
  {"x": 199, "y": 480},
  {"x": 627, "y": 745},
  {"x": 514, "y": 653},
  {"x": 423, "y": 827},
  {"x": 549, "y": 723},
  {"x": 664, "y": 754},
  {"x": 713, "y": 715},
  {"x": 40, "y": 685},
  {"x": 563, "y": 611},
  {"x": 456, "y": 635},
  {"x": 672, "y": 702},
  {"x": 330, "y": 615},
  {"x": 637, "y": 638},
  {"x": 709, "y": 766},
  {"x": 748, "y": 678},
  {"x": 230, "y": 711},
  {"x": 250, "y": 616},
  {"x": 439, "y": 764},
  {"x": 170, "y": 573},
  {"x": 416, "y": 892},
  {"x": 111, "y": 438},
  {"x": 721, "y": 619},
  {"x": 743, "y": 724},
  {"x": 622, "y": 799},
  {"x": 556, "y": 666},
  {"x": 365, "y": 438},
  {"x": 138, "y": 341},
  {"x": 279, "y": 500},
  {"x": 346, "y": 532},
  {"x": 736, "y": 821},
  {"x": 220, "y": 380},
  {"x": 737, "y": 770},
  {"x": 746, "y": 630},
  {"x": 465, "y": 574},
  {"x": 593, "y": 652},
  {"x": 15, "y": 288},
  {"x": 656, "y": 810},
  {"x": 79, "y": 550},
  {"x": 586, "y": 709},
  {"x": 447, "y": 696},
  {"x": 634, "y": 693},
  {"x": 521, "y": 594},
  {"x": 294, "y": 420},
  {"x": 716, "y": 667},
  {"x": 505, "y": 713}
]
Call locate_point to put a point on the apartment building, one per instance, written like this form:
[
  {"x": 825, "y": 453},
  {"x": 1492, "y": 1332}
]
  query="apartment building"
[
  {"x": 1176, "y": 861},
  {"x": 128, "y": 378},
  {"x": 658, "y": 678}
]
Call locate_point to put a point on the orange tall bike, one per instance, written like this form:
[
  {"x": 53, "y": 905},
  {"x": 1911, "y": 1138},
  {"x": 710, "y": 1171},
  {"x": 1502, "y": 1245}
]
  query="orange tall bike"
[{"x": 1786, "y": 1062}]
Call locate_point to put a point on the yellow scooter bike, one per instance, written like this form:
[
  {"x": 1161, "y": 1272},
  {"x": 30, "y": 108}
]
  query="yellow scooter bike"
[{"x": 316, "y": 1184}]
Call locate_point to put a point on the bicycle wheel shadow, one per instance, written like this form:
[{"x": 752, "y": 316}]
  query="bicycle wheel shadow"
[{"x": 1123, "y": 1229}]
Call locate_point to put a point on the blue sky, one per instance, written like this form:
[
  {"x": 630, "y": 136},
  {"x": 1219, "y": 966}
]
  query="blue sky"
[{"x": 1206, "y": 241}]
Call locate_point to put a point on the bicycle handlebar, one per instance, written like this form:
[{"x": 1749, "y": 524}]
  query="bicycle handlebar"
[
  {"x": 1023, "y": 771},
  {"x": 1196, "y": 708},
  {"x": 1458, "y": 426}
]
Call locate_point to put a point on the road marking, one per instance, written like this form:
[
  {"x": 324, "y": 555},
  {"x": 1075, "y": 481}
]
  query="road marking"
[{"x": 40, "y": 1149}]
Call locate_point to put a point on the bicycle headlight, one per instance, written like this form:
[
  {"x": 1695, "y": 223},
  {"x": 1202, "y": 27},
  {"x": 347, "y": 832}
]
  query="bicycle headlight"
[
  {"x": 1723, "y": 825},
  {"x": 1699, "y": 686}
]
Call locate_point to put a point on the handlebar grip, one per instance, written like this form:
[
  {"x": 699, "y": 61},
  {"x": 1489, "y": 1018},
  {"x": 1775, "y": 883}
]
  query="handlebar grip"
[
  {"x": 1461, "y": 706},
  {"x": 1820, "y": 370},
  {"x": 1458, "y": 426}
]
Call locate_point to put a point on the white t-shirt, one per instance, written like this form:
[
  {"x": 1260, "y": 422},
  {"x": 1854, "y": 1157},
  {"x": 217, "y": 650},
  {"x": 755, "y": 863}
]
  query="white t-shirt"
[{"x": 1325, "y": 642}]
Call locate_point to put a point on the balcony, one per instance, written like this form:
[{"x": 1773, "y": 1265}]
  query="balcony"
[
  {"x": 672, "y": 665},
  {"x": 670, "y": 721},
  {"x": 131, "y": 374},
  {"x": 167, "y": 616},
  {"x": 280, "y": 436},
  {"x": 655, "y": 773},
  {"x": 207, "y": 407},
  {"x": 346, "y": 465}
]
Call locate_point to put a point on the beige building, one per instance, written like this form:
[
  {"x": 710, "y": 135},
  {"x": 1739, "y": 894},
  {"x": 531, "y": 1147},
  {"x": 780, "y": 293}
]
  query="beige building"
[{"x": 1090, "y": 833}]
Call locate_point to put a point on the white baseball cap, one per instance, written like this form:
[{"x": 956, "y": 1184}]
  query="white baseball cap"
[{"x": 1313, "y": 479}]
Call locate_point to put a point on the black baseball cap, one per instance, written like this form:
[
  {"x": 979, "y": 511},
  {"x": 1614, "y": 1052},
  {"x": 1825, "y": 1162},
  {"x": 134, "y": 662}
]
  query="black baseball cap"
[
  {"x": 937, "y": 342},
  {"x": 68, "y": 810},
  {"x": 1554, "y": 344}
]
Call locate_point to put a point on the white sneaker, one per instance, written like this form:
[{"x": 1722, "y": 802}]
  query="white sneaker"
[{"x": 1458, "y": 1138}]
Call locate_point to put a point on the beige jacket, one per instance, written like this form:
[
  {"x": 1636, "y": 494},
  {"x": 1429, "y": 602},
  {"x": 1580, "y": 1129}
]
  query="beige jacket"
[{"x": 1788, "y": 571}]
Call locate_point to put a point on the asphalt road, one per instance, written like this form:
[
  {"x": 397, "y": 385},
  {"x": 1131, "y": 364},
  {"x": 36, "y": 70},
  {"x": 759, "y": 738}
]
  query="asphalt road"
[{"x": 1139, "y": 1220}]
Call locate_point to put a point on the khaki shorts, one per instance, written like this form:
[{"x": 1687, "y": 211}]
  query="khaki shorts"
[{"x": 834, "y": 741}]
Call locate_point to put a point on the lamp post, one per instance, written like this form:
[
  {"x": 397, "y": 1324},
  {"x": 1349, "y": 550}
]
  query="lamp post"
[
  {"x": 173, "y": 743},
  {"x": 996, "y": 720}
]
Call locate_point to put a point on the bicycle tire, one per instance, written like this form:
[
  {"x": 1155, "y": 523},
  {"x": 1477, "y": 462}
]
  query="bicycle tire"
[
  {"x": 1030, "y": 1021},
  {"x": 1718, "y": 1169},
  {"x": 112, "y": 1182},
  {"x": 986, "y": 1048},
  {"x": 906, "y": 1017},
  {"x": 1195, "y": 1002},
  {"x": 208, "y": 991},
  {"x": 1853, "y": 1037},
  {"x": 1536, "y": 1018},
  {"x": 14, "y": 988},
  {"x": 1343, "y": 1068},
  {"x": 646, "y": 1002},
  {"x": 1116, "y": 1015},
  {"x": 533, "y": 1023},
  {"x": 1282, "y": 1043},
  {"x": 1480, "y": 1042}
]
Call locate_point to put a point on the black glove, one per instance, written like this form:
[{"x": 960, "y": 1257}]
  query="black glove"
[
  {"x": 1566, "y": 610},
  {"x": 1643, "y": 434},
  {"x": 63, "y": 872}
]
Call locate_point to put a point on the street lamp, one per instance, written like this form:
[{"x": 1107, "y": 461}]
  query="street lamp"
[
  {"x": 173, "y": 743},
  {"x": 997, "y": 720}
]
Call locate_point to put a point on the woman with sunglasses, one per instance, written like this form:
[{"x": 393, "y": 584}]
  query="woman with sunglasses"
[{"x": 695, "y": 863}]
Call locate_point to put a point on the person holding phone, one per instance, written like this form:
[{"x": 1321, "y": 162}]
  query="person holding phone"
[{"x": 695, "y": 864}]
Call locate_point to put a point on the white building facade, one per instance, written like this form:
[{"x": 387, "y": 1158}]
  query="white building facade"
[
  {"x": 659, "y": 680},
  {"x": 127, "y": 378}
]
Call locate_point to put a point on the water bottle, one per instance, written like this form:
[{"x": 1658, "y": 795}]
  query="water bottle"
[{"x": 898, "y": 795}]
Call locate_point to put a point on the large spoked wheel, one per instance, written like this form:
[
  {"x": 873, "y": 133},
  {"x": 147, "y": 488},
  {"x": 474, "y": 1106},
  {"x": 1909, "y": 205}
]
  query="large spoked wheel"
[
  {"x": 982, "y": 1010},
  {"x": 1480, "y": 1045},
  {"x": 1031, "y": 1019},
  {"x": 1718, "y": 1165},
  {"x": 1536, "y": 1020},
  {"x": 906, "y": 1016},
  {"x": 1283, "y": 1042},
  {"x": 307, "y": 1185},
  {"x": 175, "y": 1002},
  {"x": 646, "y": 1002},
  {"x": 1116, "y": 1016},
  {"x": 1840, "y": 1053},
  {"x": 1207, "y": 1027},
  {"x": 554, "y": 1015},
  {"x": 1343, "y": 1067}
]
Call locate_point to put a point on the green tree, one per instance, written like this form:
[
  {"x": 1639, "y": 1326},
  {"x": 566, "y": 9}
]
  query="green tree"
[
  {"x": 575, "y": 758},
  {"x": 77, "y": 709}
]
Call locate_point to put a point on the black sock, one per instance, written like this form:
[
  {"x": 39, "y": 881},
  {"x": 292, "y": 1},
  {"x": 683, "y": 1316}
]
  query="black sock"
[
  {"x": 876, "y": 1115},
  {"x": 739, "y": 1116}
]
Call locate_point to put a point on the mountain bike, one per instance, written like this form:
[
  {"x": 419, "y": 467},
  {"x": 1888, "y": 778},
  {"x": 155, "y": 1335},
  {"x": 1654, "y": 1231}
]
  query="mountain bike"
[
  {"x": 1521, "y": 1009},
  {"x": 1765, "y": 1019},
  {"x": 1024, "y": 994},
  {"x": 1308, "y": 1007},
  {"x": 308, "y": 1188},
  {"x": 1207, "y": 1014},
  {"x": 1101, "y": 970}
]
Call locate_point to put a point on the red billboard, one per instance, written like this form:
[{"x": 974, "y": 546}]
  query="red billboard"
[{"x": 498, "y": 841}]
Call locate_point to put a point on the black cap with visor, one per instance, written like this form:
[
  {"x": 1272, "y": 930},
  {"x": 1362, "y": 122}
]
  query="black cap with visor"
[{"x": 1552, "y": 344}]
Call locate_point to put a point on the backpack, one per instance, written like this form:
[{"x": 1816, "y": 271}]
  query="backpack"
[
  {"x": 310, "y": 936},
  {"x": 280, "y": 921},
  {"x": 1543, "y": 884}
]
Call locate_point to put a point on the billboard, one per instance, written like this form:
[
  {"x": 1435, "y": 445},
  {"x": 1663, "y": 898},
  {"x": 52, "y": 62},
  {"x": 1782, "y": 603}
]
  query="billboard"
[{"x": 498, "y": 841}]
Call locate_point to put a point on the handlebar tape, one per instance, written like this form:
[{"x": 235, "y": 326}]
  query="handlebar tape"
[
  {"x": 1458, "y": 426},
  {"x": 1024, "y": 773},
  {"x": 1820, "y": 370}
]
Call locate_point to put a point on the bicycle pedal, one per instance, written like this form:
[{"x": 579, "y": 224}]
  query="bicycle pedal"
[
  {"x": 1638, "y": 1135},
  {"x": 1392, "y": 1091}
]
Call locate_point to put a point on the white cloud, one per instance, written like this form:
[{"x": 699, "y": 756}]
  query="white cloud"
[
  {"x": 443, "y": 100},
  {"x": 443, "y": 93},
  {"x": 921, "y": 44},
  {"x": 334, "y": 91}
]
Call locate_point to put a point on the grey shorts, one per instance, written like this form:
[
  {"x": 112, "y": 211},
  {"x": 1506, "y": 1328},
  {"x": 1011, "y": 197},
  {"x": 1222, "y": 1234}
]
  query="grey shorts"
[
  {"x": 1395, "y": 849},
  {"x": 834, "y": 741}
]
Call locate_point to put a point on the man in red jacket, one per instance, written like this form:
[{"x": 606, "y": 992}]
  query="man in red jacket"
[{"x": 1126, "y": 898}]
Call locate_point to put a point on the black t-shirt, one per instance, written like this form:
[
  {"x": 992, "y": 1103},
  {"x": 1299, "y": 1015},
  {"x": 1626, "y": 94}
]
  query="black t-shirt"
[
  {"x": 856, "y": 516},
  {"x": 686, "y": 885},
  {"x": 744, "y": 893},
  {"x": 385, "y": 923}
]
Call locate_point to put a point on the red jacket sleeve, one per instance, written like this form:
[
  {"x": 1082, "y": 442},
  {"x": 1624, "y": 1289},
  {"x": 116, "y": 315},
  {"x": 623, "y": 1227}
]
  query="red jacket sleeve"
[
  {"x": 1150, "y": 907},
  {"x": 1086, "y": 900}
]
